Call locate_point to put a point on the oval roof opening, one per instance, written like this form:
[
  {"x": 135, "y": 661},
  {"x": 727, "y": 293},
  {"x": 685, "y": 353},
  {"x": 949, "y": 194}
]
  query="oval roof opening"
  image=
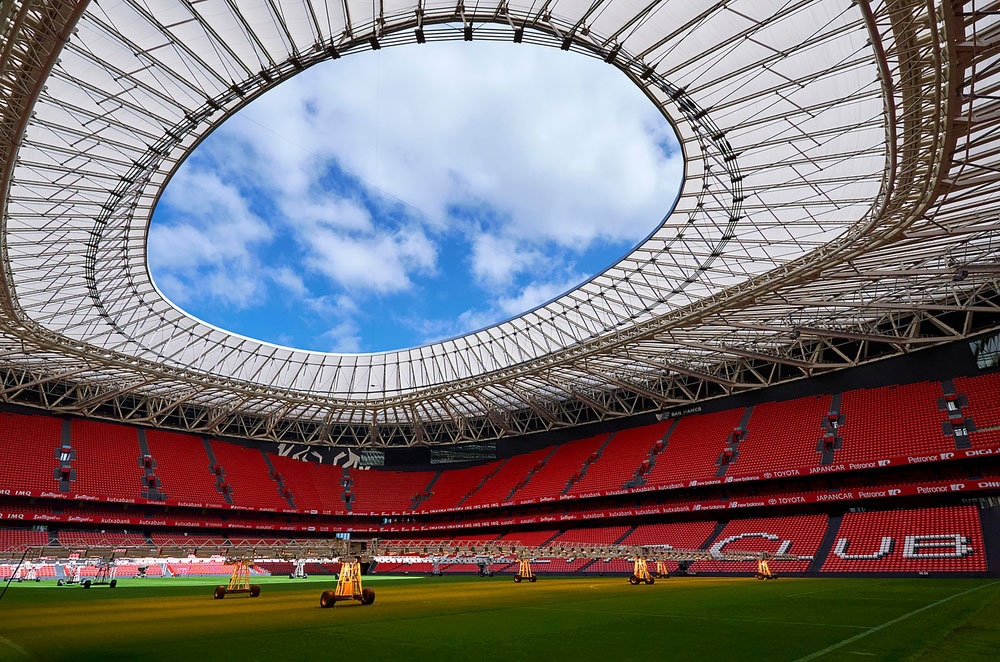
[{"x": 402, "y": 196}]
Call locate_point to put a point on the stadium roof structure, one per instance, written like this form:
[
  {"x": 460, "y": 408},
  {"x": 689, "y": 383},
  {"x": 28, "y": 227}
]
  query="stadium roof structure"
[{"x": 840, "y": 203}]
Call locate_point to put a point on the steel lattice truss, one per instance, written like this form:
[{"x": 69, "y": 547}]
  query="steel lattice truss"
[
  {"x": 451, "y": 551},
  {"x": 840, "y": 204}
]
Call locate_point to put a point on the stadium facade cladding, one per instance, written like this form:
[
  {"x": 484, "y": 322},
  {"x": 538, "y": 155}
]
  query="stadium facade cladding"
[{"x": 839, "y": 205}]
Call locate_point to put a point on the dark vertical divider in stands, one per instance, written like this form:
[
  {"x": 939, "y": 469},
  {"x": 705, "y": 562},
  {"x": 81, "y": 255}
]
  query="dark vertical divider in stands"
[
  {"x": 829, "y": 538},
  {"x": 990, "y": 519},
  {"x": 714, "y": 534}
]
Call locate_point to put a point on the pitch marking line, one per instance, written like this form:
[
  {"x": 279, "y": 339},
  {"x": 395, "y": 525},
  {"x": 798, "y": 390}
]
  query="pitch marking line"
[
  {"x": 862, "y": 635},
  {"x": 7, "y": 642},
  {"x": 701, "y": 618}
]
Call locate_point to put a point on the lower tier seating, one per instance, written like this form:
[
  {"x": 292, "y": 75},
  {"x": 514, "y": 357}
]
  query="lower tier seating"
[
  {"x": 946, "y": 539},
  {"x": 799, "y": 535}
]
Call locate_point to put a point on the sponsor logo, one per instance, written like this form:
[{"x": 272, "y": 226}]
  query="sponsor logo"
[
  {"x": 115, "y": 520},
  {"x": 862, "y": 465},
  {"x": 957, "y": 487},
  {"x": 838, "y": 496},
  {"x": 932, "y": 490},
  {"x": 895, "y": 492},
  {"x": 748, "y": 504},
  {"x": 742, "y": 479},
  {"x": 978, "y": 452},
  {"x": 782, "y": 474},
  {"x": 872, "y": 495},
  {"x": 947, "y": 456},
  {"x": 830, "y": 468},
  {"x": 989, "y": 484},
  {"x": 884, "y": 463},
  {"x": 922, "y": 458}
]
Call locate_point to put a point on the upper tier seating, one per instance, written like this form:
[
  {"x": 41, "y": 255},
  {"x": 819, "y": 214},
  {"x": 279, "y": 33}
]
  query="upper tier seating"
[
  {"x": 874, "y": 424},
  {"x": 694, "y": 448},
  {"x": 782, "y": 435},
  {"x": 107, "y": 460},
  {"x": 620, "y": 459},
  {"x": 28, "y": 445},
  {"x": 248, "y": 476},
  {"x": 182, "y": 466},
  {"x": 498, "y": 488},
  {"x": 454, "y": 485},
  {"x": 386, "y": 491},
  {"x": 983, "y": 393},
  {"x": 945, "y": 539},
  {"x": 892, "y": 420},
  {"x": 800, "y": 535},
  {"x": 313, "y": 486},
  {"x": 551, "y": 479}
]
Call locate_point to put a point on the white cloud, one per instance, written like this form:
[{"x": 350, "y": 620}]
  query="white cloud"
[
  {"x": 580, "y": 165},
  {"x": 290, "y": 280},
  {"x": 210, "y": 248},
  {"x": 344, "y": 337},
  {"x": 496, "y": 260},
  {"x": 378, "y": 262},
  {"x": 535, "y": 295}
]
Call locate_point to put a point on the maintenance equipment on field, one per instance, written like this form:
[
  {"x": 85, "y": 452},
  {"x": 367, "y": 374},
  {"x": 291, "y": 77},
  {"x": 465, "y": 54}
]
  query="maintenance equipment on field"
[
  {"x": 482, "y": 554},
  {"x": 106, "y": 571},
  {"x": 763, "y": 568},
  {"x": 640, "y": 572},
  {"x": 349, "y": 582},
  {"x": 300, "y": 570},
  {"x": 524, "y": 571},
  {"x": 239, "y": 581}
]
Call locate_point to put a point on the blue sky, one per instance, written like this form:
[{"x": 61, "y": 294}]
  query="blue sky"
[{"x": 394, "y": 198}]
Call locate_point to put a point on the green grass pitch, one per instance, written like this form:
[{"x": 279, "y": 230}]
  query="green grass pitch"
[{"x": 482, "y": 619}]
